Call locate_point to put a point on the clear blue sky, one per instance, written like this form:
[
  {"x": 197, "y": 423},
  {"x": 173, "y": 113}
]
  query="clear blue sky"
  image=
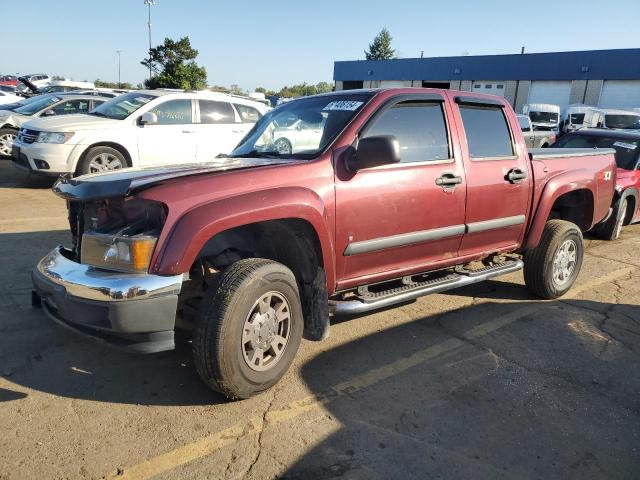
[{"x": 259, "y": 43}]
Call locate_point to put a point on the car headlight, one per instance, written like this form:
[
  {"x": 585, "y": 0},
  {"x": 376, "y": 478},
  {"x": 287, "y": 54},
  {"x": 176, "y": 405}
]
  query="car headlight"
[
  {"x": 54, "y": 137},
  {"x": 119, "y": 253}
]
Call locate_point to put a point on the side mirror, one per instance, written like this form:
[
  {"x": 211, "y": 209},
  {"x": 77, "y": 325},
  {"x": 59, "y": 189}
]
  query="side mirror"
[
  {"x": 148, "y": 118},
  {"x": 373, "y": 152},
  {"x": 48, "y": 113}
]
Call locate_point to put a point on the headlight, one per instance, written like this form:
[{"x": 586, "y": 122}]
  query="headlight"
[
  {"x": 54, "y": 137},
  {"x": 123, "y": 254}
]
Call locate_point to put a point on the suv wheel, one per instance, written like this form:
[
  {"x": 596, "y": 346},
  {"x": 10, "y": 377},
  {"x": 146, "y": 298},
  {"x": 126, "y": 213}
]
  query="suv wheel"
[
  {"x": 552, "y": 267},
  {"x": 7, "y": 136},
  {"x": 102, "y": 159},
  {"x": 249, "y": 328}
]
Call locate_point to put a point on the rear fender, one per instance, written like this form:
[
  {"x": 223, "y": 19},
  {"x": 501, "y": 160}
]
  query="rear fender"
[
  {"x": 190, "y": 233},
  {"x": 556, "y": 187}
]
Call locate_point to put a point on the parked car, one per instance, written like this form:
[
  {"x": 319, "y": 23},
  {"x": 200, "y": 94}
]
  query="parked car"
[
  {"x": 626, "y": 201},
  {"x": 48, "y": 106},
  {"x": 613, "y": 119},
  {"x": 7, "y": 98},
  {"x": 37, "y": 80},
  {"x": 10, "y": 80},
  {"x": 152, "y": 127},
  {"x": 544, "y": 116},
  {"x": 535, "y": 138},
  {"x": 300, "y": 134},
  {"x": 8, "y": 89},
  {"x": 389, "y": 206},
  {"x": 573, "y": 117},
  {"x": 57, "y": 86}
]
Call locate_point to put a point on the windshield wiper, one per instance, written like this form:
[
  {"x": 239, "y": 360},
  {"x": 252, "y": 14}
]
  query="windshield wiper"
[
  {"x": 98, "y": 114},
  {"x": 257, "y": 154}
]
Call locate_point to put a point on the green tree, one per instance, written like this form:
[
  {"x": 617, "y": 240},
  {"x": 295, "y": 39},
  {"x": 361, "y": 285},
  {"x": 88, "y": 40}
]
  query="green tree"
[
  {"x": 174, "y": 66},
  {"x": 235, "y": 89},
  {"x": 103, "y": 84},
  {"x": 381, "y": 49},
  {"x": 324, "y": 87}
]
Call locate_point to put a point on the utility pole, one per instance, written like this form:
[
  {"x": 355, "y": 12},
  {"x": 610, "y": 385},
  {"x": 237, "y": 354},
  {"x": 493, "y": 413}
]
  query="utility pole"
[
  {"x": 522, "y": 51},
  {"x": 119, "y": 52},
  {"x": 149, "y": 3}
]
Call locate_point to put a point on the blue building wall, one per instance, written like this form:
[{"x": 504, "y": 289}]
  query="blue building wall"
[{"x": 621, "y": 64}]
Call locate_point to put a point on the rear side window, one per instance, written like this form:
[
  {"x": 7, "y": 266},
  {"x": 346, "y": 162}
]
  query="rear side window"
[
  {"x": 248, "y": 114},
  {"x": 72, "y": 106},
  {"x": 627, "y": 149},
  {"x": 419, "y": 128},
  {"x": 487, "y": 131},
  {"x": 216, "y": 112}
]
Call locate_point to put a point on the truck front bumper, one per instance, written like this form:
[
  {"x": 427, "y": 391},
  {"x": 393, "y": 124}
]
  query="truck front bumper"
[{"x": 135, "y": 312}]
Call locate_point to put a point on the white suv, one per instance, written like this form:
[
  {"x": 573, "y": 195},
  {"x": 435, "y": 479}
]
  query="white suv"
[{"x": 146, "y": 127}]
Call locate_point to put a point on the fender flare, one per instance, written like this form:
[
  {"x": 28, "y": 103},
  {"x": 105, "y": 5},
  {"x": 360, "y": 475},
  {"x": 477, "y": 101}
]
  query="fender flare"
[
  {"x": 180, "y": 247},
  {"x": 556, "y": 187},
  {"x": 629, "y": 192}
]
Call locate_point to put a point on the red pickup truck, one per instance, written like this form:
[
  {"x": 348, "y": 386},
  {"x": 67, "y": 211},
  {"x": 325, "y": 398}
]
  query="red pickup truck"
[{"x": 333, "y": 204}]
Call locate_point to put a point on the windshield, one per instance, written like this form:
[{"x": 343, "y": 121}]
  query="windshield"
[
  {"x": 543, "y": 117},
  {"x": 302, "y": 127},
  {"x": 624, "y": 122},
  {"x": 576, "y": 118},
  {"x": 121, "y": 107},
  {"x": 626, "y": 149},
  {"x": 37, "y": 105}
]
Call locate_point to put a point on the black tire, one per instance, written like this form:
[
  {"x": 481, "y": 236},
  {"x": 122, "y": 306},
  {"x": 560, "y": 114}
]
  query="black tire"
[
  {"x": 218, "y": 350},
  {"x": 5, "y": 150},
  {"x": 283, "y": 146},
  {"x": 610, "y": 230},
  {"x": 95, "y": 153},
  {"x": 539, "y": 262}
]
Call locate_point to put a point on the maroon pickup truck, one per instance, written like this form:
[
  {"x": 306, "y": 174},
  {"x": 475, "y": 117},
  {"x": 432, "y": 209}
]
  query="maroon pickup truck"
[{"x": 333, "y": 204}]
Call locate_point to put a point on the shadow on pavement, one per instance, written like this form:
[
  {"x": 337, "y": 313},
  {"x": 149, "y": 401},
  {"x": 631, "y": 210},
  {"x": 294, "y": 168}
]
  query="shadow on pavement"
[
  {"x": 495, "y": 390},
  {"x": 11, "y": 177}
]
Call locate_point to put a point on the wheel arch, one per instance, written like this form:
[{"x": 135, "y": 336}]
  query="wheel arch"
[
  {"x": 114, "y": 145},
  {"x": 631, "y": 196}
]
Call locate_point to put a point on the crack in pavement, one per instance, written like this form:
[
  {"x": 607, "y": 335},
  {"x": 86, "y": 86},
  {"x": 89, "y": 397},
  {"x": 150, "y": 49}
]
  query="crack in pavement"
[{"x": 260, "y": 433}]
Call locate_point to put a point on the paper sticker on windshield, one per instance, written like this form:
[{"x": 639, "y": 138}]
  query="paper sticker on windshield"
[
  {"x": 56, "y": 99},
  {"x": 628, "y": 146},
  {"x": 142, "y": 99},
  {"x": 348, "y": 105}
]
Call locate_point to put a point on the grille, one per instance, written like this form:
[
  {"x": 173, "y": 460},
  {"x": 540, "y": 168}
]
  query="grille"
[{"x": 27, "y": 136}]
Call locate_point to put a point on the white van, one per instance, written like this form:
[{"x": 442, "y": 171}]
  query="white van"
[
  {"x": 137, "y": 129},
  {"x": 573, "y": 117},
  {"x": 609, "y": 118},
  {"x": 543, "y": 116}
]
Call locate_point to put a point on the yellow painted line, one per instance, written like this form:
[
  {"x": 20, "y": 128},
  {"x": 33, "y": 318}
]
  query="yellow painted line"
[{"x": 214, "y": 442}]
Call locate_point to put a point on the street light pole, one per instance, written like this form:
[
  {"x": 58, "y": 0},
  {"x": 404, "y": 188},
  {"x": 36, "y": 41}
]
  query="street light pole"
[
  {"x": 119, "y": 52},
  {"x": 149, "y": 3}
]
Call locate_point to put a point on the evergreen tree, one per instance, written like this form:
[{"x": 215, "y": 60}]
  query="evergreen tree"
[{"x": 381, "y": 49}]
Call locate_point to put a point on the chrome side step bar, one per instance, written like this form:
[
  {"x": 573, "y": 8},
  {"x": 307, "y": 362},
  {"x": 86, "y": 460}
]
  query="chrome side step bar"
[{"x": 457, "y": 280}]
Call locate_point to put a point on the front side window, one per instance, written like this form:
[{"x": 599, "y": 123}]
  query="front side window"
[
  {"x": 419, "y": 128},
  {"x": 627, "y": 150},
  {"x": 174, "y": 112},
  {"x": 216, "y": 112},
  {"x": 487, "y": 131},
  {"x": 71, "y": 106},
  {"x": 248, "y": 114},
  {"x": 122, "y": 106},
  {"x": 302, "y": 127},
  {"x": 543, "y": 117},
  {"x": 621, "y": 121}
]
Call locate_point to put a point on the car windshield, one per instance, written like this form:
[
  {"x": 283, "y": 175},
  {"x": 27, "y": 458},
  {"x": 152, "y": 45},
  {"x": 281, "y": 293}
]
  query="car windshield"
[
  {"x": 302, "y": 127},
  {"x": 37, "y": 105},
  {"x": 626, "y": 149},
  {"x": 544, "y": 117},
  {"x": 576, "y": 118},
  {"x": 121, "y": 107},
  {"x": 622, "y": 121}
]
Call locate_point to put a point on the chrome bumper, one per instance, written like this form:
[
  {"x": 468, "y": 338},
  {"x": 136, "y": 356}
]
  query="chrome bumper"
[{"x": 131, "y": 311}]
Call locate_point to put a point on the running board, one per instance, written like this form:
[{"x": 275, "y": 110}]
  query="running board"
[{"x": 375, "y": 301}]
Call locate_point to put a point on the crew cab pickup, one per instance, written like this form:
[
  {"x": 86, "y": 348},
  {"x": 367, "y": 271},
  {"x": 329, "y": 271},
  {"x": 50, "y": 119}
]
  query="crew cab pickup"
[{"x": 403, "y": 192}]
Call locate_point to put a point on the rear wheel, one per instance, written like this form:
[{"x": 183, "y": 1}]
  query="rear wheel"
[
  {"x": 102, "y": 159},
  {"x": 552, "y": 267},
  {"x": 249, "y": 328},
  {"x": 283, "y": 146},
  {"x": 7, "y": 137},
  {"x": 612, "y": 228}
]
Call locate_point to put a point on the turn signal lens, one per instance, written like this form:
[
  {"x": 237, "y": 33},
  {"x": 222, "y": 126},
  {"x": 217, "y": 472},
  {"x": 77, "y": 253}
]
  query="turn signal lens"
[
  {"x": 122, "y": 254},
  {"x": 141, "y": 251}
]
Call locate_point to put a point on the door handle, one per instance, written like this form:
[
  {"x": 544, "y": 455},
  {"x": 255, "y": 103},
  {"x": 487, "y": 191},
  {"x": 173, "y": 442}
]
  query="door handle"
[
  {"x": 236, "y": 131},
  {"x": 187, "y": 131},
  {"x": 448, "y": 180},
  {"x": 516, "y": 175}
]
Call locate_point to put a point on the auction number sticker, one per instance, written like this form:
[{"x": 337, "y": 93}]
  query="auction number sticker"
[
  {"x": 348, "y": 105},
  {"x": 628, "y": 146},
  {"x": 142, "y": 99}
]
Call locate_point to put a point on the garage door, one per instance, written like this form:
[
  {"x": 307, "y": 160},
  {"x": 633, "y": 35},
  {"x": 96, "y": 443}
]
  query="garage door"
[
  {"x": 556, "y": 93},
  {"x": 487, "y": 86},
  {"x": 620, "y": 94}
]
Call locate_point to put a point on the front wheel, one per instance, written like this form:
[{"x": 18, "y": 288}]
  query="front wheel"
[
  {"x": 102, "y": 159},
  {"x": 552, "y": 267},
  {"x": 249, "y": 328},
  {"x": 7, "y": 137}
]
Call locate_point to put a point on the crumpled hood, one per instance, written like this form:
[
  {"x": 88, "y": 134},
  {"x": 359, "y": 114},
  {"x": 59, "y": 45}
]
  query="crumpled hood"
[
  {"x": 123, "y": 182},
  {"x": 72, "y": 123},
  {"x": 12, "y": 118}
]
